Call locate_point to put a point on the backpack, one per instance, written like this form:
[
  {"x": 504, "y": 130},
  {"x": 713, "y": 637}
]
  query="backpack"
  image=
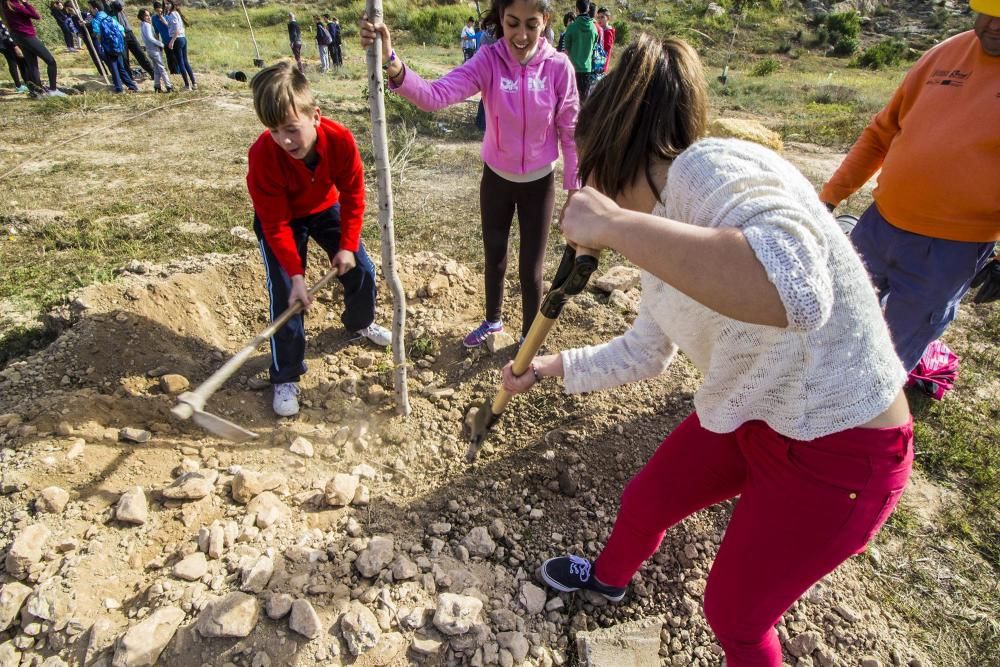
[
  {"x": 598, "y": 58},
  {"x": 112, "y": 40}
]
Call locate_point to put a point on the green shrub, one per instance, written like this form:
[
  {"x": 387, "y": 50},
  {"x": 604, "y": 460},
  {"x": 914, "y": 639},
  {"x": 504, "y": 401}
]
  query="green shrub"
[
  {"x": 622, "y": 32},
  {"x": 887, "y": 53},
  {"x": 270, "y": 17},
  {"x": 845, "y": 46},
  {"x": 843, "y": 24},
  {"x": 438, "y": 25},
  {"x": 765, "y": 67}
]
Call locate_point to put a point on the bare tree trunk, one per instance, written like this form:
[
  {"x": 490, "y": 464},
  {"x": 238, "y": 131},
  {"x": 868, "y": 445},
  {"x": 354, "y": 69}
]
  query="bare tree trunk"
[{"x": 380, "y": 141}]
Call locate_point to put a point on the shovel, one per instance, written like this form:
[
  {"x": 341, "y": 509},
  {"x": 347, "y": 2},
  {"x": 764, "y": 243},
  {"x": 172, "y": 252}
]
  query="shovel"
[
  {"x": 191, "y": 404},
  {"x": 570, "y": 279}
]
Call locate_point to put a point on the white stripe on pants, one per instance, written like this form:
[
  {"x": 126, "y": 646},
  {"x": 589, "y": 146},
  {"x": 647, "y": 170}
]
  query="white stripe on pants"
[{"x": 159, "y": 71}]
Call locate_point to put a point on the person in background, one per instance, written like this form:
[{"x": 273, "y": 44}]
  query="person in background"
[
  {"x": 567, "y": 19},
  {"x": 117, "y": 10},
  {"x": 20, "y": 16},
  {"x": 154, "y": 47},
  {"x": 65, "y": 24},
  {"x": 109, "y": 36},
  {"x": 530, "y": 96},
  {"x": 338, "y": 44},
  {"x": 581, "y": 35},
  {"x": 82, "y": 23},
  {"x": 468, "y": 39},
  {"x": 334, "y": 48},
  {"x": 936, "y": 215},
  {"x": 163, "y": 34},
  {"x": 607, "y": 34},
  {"x": 295, "y": 41},
  {"x": 15, "y": 59},
  {"x": 178, "y": 42},
  {"x": 323, "y": 42}
]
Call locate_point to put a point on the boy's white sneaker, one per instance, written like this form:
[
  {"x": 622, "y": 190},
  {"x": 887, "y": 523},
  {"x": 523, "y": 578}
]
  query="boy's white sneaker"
[
  {"x": 286, "y": 399},
  {"x": 376, "y": 334}
]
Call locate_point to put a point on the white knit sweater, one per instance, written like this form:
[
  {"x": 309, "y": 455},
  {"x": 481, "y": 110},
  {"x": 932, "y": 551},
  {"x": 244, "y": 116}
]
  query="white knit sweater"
[{"x": 832, "y": 368}]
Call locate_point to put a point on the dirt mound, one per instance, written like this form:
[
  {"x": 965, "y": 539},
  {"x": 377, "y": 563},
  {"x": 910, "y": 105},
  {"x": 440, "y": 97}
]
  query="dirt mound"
[{"x": 393, "y": 549}]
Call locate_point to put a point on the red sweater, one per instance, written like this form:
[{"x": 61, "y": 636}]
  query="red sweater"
[
  {"x": 283, "y": 188},
  {"x": 21, "y": 15}
]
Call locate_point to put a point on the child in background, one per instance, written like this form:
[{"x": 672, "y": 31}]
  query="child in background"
[
  {"x": 818, "y": 463},
  {"x": 154, "y": 48},
  {"x": 323, "y": 42},
  {"x": 162, "y": 28},
  {"x": 15, "y": 59},
  {"x": 334, "y": 48},
  {"x": 109, "y": 36},
  {"x": 20, "y": 17},
  {"x": 65, "y": 24},
  {"x": 607, "y": 34},
  {"x": 468, "y": 39},
  {"x": 178, "y": 42},
  {"x": 531, "y": 103},
  {"x": 295, "y": 40},
  {"x": 306, "y": 181}
]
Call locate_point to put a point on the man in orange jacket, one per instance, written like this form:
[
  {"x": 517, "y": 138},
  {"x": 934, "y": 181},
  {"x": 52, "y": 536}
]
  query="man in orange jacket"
[{"x": 936, "y": 215}]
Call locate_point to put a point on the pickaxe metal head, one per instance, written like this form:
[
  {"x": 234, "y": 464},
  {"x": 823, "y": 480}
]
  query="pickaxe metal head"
[{"x": 191, "y": 406}]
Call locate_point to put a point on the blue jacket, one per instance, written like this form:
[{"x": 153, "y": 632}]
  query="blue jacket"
[{"x": 161, "y": 27}]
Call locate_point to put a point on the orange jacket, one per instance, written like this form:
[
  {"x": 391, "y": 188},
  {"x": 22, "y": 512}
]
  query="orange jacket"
[{"x": 938, "y": 144}]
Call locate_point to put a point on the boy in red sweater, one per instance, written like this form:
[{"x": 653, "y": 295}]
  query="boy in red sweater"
[{"x": 306, "y": 180}]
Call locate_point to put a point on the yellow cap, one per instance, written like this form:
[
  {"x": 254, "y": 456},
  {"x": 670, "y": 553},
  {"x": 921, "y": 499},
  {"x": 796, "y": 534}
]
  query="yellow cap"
[{"x": 988, "y": 7}]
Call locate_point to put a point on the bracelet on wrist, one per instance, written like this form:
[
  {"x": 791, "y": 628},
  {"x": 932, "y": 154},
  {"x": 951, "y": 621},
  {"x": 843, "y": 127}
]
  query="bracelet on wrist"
[
  {"x": 391, "y": 59},
  {"x": 534, "y": 371}
]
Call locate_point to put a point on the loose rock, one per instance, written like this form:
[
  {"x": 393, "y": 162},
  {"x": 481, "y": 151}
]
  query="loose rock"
[
  {"x": 172, "y": 383},
  {"x": 247, "y": 484},
  {"x": 268, "y": 510},
  {"x": 304, "y": 619},
  {"x": 479, "y": 542},
  {"x": 234, "y": 615},
  {"x": 360, "y": 628},
  {"x": 340, "y": 489},
  {"x": 142, "y": 645},
  {"x": 456, "y": 614},
  {"x": 133, "y": 507},
  {"x": 302, "y": 447},
  {"x": 532, "y": 598},
  {"x": 192, "y": 485},
  {"x": 138, "y": 435},
  {"x": 192, "y": 568},
  {"x": 12, "y": 597},
  {"x": 52, "y": 500},
  {"x": 376, "y": 556},
  {"x": 26, "y": 550}
]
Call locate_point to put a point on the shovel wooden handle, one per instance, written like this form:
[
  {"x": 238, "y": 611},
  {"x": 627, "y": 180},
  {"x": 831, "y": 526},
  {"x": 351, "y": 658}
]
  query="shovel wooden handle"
[{"x": 539, "y": 330}]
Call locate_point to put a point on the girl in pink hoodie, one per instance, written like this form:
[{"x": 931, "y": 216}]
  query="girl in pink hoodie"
[{"x": 529, "y": 92}]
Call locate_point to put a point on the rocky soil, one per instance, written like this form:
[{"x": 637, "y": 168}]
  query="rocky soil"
[{"x": 347, "y": 535}]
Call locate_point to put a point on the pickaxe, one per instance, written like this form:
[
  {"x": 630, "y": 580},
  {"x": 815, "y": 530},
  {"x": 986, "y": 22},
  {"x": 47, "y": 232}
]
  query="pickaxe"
[{"x": 191, "y": 404}]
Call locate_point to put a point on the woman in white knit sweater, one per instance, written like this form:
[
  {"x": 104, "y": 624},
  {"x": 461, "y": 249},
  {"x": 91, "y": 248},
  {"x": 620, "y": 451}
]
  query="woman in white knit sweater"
[{"x": 800, "y": 413}]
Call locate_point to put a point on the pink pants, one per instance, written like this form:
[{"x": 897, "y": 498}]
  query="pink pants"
[{"x": 804, "y": 508}]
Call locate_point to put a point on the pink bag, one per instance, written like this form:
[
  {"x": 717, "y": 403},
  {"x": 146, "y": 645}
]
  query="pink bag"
[{"x": 936, "y": 371}]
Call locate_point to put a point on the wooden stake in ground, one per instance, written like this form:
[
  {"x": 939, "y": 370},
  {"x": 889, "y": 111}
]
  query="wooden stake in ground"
[
  {"x": 101, "y": 68},
  {"x": 380, "y": 141}
]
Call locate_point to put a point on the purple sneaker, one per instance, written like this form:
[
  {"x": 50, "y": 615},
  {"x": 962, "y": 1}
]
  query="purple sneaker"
[{"x": 478, "y": 335}]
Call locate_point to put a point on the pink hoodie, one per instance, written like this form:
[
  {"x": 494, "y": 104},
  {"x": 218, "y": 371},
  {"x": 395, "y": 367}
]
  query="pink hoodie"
[{"x": 529, "y": 108}]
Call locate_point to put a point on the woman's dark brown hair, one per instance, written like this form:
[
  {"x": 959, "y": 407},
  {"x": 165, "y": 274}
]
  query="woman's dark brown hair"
[{"x": 650, "y": 107}]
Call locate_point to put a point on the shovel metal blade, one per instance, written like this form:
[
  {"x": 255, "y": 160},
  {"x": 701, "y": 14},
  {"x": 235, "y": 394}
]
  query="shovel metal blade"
[
  {"x": 222, "y": 427},
  {"x": 476, "y": 427}
]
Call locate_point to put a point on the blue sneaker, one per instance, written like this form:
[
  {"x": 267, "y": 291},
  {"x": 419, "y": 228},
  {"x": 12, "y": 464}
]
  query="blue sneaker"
[
  {"x": 571, "y": 573},
  {"x": 478, "y": 335}
]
